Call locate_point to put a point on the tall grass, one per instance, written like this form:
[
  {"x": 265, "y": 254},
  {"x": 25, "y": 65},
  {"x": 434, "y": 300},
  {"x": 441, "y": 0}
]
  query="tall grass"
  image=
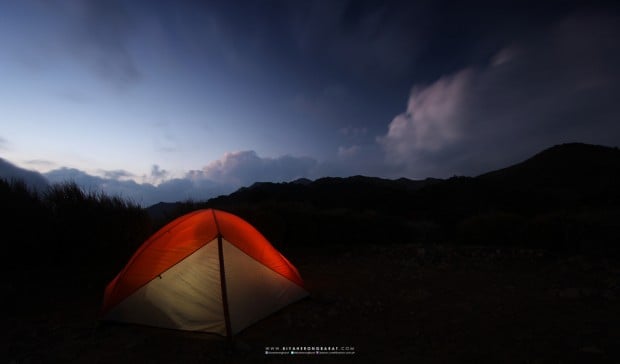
[{"x": 66, "y": 227}]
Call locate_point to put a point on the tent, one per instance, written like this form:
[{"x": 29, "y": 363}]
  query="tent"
[{"x": 207, "y": 271}]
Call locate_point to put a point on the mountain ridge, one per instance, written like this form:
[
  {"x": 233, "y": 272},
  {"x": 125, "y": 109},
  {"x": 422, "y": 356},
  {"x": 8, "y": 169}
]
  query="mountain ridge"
[
  {"x": 564, "y": 196},
  {"x": 559, "y": 165}
]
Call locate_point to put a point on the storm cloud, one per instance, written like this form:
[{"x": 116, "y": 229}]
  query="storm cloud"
[{"x": 560, "y": 86}]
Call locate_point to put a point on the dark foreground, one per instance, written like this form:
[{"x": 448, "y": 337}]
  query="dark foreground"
[{"x": 400, "y": 303}]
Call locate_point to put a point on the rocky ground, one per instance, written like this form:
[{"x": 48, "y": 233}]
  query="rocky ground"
[{"x": 396, "y": 303}]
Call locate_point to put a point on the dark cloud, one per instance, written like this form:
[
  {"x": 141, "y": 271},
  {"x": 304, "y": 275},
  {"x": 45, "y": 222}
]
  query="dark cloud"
[
  {"x": 96, "y": 33},
  {"x": 559, "y": 86},
  {"x": 363, "y": 38},
  {"x": 102, "y": 31}
]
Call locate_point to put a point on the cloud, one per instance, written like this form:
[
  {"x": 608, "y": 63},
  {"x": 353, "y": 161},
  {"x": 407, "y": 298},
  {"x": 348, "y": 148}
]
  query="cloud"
[
  {"x": 103, "y": 28},
  {"x": 558, "y": 87},
  {"x": 364, "y": 38},
  {"x": 222, "y": 176},
  {"x": 246, "y": 167},
  {"x": 432, "y": 119},
  {"x": 4, "y": 144},
  {"x": 158, "y": 173},
  {"x": 504, "y": 56},
  {"x": 40, "y": 164},
  {"x": 348, "y": 152},
  {"x": 118, "y": 174},
  {"x": 145, "y": 194},
  {"x": 95, "y": 33}
]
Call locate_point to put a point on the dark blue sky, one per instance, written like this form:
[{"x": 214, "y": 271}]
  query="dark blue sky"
[{"x": 201, "y": 96}]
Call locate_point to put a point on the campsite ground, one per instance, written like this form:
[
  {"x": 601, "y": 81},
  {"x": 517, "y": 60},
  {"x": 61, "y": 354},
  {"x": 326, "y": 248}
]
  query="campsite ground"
[{"x": 396, "y": 303}]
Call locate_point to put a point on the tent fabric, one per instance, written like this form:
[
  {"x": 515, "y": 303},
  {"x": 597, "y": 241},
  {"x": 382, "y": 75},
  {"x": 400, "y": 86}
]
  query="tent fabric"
[{"x": 175, "y": 280}]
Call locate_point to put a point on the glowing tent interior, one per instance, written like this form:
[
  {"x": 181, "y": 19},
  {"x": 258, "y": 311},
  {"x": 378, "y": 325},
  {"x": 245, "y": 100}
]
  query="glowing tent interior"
[{"x": 207, "y": 271}]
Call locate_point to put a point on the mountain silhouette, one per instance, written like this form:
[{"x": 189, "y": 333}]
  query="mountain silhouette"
[
  {"x": 32, "y": 179},
  {"x": 564, "y": 195},
  {"x": 561, "y": 175}
]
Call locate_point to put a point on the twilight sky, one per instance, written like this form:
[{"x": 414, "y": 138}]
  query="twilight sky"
[{"x": 165, "y": 100}]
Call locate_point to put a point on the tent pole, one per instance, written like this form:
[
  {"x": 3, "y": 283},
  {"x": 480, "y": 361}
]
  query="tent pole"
[{"x": 223, "y": 285}]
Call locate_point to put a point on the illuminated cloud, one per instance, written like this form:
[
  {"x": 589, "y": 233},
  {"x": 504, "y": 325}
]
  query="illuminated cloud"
[
  {"x": 246, "y": 167},
  {"x": 432, "y": 120},
  {"x": 559, "y": 87},
  {"x": 157, "y": 175}
]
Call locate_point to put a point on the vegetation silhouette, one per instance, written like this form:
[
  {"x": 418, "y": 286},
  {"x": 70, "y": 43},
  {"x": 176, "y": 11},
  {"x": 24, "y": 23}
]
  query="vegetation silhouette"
[
  {"x": 68, "y": 228},
  {"x": 564, "y": 199},
  {"x": 530, "y": 246}
]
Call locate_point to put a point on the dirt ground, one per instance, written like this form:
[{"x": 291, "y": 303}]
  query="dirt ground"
[{"x": 388, "y": 304}]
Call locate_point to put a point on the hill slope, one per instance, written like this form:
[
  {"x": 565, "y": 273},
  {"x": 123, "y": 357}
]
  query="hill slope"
[
  {"x": 563, "y": 196},
  {"x": 33, "y": 179}
]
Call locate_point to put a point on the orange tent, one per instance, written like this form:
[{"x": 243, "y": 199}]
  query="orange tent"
[{"x": 206, "y": 271}]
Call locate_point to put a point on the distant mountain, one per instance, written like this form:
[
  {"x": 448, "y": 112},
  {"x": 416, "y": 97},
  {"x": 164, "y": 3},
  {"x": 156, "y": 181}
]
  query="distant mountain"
[
  {"x": 566, "y": 176},
  {"x": 356, "y": 192},
  {"x": 33, "y": 179},
  {"x": 562, "y": 176},
  {"x": 565, "y": 195},
  {"x": 572, "y": 164}
]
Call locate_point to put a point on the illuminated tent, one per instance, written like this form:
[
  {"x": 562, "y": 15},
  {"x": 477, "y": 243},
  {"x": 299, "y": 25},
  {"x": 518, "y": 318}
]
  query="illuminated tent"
[{"x": 206, "y": 271}]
